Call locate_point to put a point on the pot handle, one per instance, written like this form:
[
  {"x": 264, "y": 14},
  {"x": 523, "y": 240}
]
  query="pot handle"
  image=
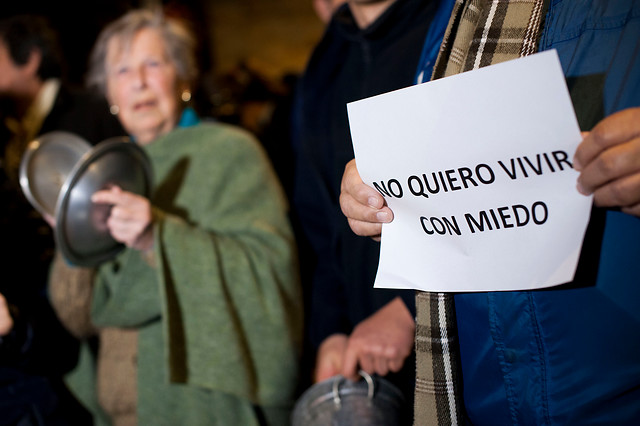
[{"x": 336, "y": 388}]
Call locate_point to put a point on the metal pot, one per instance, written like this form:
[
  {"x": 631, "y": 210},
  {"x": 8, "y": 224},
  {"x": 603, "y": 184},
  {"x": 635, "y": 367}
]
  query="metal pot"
[{"x": 371, "y": 401}]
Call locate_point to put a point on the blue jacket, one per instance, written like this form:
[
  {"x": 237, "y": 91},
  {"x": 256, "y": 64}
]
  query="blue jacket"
[{"x": 570, "y": 354}]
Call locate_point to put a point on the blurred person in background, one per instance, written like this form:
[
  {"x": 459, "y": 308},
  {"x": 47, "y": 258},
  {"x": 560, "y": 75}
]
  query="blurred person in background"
[
  {"x": 199, "y": 318},
  {"x": 325, "y": 8},
  {"x": 368, "y": 48},
  {"x": 35, "y": 98}
]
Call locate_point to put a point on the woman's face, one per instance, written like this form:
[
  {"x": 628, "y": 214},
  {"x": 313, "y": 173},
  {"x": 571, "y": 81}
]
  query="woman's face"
[{"x": 143, "y": 83}]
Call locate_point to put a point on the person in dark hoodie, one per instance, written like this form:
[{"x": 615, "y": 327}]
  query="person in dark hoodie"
[
  {"x": 369, "y": 47},
  {"x": 34, "y": 348}
]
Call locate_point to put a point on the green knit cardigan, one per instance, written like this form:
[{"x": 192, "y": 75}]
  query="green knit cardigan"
[{"x": 219, "y": 309}]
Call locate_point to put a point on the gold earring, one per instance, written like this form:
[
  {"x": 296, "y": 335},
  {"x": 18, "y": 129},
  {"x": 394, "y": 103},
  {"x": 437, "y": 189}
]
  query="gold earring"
[
  {"x": 114, "y": 109},
  {"x": 186, "y": 95}
]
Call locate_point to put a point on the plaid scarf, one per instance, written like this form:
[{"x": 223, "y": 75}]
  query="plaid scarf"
[
  {"x": 479, "y": 33},
  {"x": 486, "y": 32}
]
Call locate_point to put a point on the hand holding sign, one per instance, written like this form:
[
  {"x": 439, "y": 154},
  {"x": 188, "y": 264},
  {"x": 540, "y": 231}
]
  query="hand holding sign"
[
  {"x": 483, "y": 195},
  {"x": 363, "y": 206},
  {"x": 609, "y": 162}
]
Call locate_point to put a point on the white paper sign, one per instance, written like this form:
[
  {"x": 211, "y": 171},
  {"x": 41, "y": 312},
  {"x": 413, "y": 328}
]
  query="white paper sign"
[{"x": 477, "y": 169}]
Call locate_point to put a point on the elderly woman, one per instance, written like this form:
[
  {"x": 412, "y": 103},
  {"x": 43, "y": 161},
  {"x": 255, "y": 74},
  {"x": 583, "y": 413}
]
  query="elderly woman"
[{"x": 199, "y": 318}]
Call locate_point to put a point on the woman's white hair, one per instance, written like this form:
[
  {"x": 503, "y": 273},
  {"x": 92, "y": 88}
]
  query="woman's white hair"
[{"x": 179, "y": 40}]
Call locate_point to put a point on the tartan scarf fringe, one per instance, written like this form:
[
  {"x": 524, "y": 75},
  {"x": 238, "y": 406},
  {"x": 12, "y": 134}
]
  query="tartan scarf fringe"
[{"x": 438, "y": 388}]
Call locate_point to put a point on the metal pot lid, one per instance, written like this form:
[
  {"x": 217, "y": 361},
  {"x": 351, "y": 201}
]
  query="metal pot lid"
[
  {"x": 45, "y": 165},
  {"x": 81, "y": 231}
]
